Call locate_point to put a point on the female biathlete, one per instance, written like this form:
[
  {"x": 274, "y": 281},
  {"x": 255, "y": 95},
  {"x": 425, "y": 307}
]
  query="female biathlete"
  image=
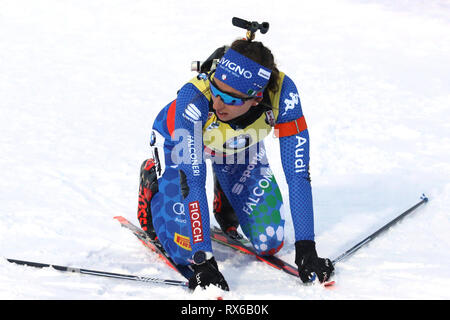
[{"x": 224, "y": 115}]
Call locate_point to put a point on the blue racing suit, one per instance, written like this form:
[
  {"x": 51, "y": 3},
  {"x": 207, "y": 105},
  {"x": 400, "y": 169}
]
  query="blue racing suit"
[{"x": 186, "y": 133}]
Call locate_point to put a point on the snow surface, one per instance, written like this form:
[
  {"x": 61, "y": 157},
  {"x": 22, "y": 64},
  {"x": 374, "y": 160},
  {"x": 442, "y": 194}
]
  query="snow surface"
[{"x": 81, "y": 82}]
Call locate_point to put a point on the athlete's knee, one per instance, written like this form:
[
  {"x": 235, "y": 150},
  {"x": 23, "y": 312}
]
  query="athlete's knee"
[
  {"x": 268, "y": 248},
  {"x": 269, "y": 242},
  {"x": 178, "y": 249}
]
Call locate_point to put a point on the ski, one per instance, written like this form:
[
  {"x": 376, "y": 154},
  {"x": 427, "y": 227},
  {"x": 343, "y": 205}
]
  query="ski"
[
  {"x": 155, "y": 246},
  {"x": 218, "y": 236},
  {"x": 244, "y": 245},
  {"x": 99, "y": 273}
]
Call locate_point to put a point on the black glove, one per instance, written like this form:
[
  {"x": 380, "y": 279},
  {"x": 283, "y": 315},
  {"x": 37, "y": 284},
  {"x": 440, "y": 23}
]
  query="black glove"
[
  {"x": 206, "y": 272},
  {"x": 309, "y": 263}
]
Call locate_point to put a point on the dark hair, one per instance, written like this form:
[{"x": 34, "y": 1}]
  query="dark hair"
[{"x": 259, "y": 53}]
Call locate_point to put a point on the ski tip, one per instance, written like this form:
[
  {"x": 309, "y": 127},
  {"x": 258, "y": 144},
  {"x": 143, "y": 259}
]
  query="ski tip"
[
  {"x": 325, "y": 284},
  {"x": 120, "y": 218},
  {"x": 424, "y": 197}
]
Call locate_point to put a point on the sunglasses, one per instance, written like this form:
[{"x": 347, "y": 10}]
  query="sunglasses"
[{"x": 226, "y": 97}]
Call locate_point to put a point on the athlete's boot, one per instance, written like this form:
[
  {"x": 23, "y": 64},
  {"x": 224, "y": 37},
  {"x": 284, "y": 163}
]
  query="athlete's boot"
[
  {"x": 224, "y": 212},
  {"x": 148, "y": 186}
]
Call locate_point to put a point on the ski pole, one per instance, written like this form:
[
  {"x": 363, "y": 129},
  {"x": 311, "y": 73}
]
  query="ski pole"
[
  {"x": 100, "y": 273},
  {"x": 364, "y": 242}
]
